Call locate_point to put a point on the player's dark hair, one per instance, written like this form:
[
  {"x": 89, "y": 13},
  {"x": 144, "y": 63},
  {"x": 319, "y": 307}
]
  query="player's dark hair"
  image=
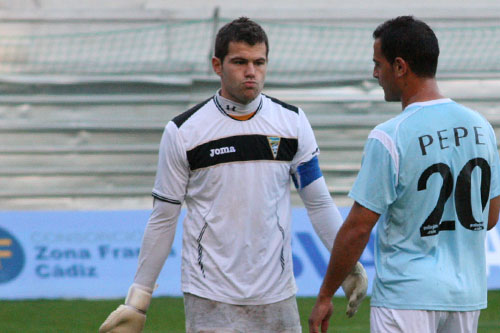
[
  {"x": 412, "y": 40},
  {"x": 239, "y": 30}
]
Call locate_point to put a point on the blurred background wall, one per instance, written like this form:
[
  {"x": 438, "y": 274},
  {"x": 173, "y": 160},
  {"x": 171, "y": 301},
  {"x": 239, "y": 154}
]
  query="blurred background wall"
[{"x": 86, "y": 87}]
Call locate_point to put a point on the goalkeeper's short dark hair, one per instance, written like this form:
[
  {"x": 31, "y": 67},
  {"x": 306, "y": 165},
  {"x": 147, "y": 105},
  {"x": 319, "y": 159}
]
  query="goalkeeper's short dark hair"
[
  {"x": 412, "y": 40},
  {"x": 240, "y": 30}
]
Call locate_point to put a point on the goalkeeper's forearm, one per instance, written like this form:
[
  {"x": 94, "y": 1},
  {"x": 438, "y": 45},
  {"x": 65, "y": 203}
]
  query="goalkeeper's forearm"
[
  {"x": 156, "y": 242},
  {"x": 322, "y": 211},
  {"x": 156, "y": 245}
]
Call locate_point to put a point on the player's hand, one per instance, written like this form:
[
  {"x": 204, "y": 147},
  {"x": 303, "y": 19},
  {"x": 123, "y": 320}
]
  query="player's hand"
[
  {"x": 355, "y": 286},
  {"x": 125, "y": 319},
  {"x": 320, "y": 315},
  {"x": 131, "y": 316}
]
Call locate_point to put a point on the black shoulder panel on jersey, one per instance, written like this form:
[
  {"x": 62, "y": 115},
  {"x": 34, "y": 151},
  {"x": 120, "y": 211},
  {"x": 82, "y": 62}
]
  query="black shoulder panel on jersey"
[
  {"x": 283, "y": 104},
  {"x": 180, "y": 119}
]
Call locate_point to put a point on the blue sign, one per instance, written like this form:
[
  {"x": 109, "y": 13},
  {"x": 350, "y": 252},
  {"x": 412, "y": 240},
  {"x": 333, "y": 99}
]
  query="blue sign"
[
  {"x": 310, "y": 257},
  {"x": 11, "y": 257},
  {"x": 93, "y": 254}
]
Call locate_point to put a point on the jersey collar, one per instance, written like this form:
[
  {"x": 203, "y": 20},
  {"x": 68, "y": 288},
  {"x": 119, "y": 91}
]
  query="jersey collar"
[
  {"x": 429, "y": 103},
  {"x": 230, "y": 108}
]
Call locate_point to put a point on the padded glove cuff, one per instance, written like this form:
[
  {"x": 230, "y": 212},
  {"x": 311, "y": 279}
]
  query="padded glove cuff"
[{"x": 139, "y": 297}]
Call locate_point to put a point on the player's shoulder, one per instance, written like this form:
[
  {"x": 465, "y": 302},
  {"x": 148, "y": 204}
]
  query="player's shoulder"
[
  {"x": 281, "y": 104},
  {"x": 390, "y": 125},
  {"x": 186, "y": 115},
  {"x": 450, "y": 109},
  {"x": 470, "y": 112}
]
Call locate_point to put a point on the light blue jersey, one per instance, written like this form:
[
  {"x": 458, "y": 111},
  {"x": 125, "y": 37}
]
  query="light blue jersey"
[{"x": 431, "y": 171}]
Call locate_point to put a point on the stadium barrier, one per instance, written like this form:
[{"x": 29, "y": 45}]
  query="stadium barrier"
[
  {"x": 93, "y": 254},
  {"x": 299, "y": 51}
]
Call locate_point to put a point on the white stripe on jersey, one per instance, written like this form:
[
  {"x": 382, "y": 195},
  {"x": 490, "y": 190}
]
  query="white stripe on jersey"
[{"x": 388, "y": 143}]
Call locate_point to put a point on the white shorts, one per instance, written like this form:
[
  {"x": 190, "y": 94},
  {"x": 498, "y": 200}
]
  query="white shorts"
[
  {"x": 383, "y": 320},
  {"x": 207, "y": 316}
]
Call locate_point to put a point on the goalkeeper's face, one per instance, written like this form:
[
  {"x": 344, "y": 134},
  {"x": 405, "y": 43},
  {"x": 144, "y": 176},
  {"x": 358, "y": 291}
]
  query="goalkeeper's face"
[{"x": 242, "y": 72}]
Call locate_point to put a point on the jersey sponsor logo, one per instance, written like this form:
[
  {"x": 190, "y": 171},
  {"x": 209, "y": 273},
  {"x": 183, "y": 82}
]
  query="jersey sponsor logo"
[
  {"x": 222, "y": 150},
  {"x": 241, "y": 148},
  {"x": 274, "y": 143},
  {"x": 11, "y": 257}
]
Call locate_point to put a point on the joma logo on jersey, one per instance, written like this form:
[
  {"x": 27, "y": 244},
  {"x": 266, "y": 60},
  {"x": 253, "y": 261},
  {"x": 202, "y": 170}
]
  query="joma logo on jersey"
[{"x": 222, "y": 150}]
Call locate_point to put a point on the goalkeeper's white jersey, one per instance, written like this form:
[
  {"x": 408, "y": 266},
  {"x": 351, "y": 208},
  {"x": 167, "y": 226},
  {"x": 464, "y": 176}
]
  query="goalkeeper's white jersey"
[{"x": 234, "y": 177}]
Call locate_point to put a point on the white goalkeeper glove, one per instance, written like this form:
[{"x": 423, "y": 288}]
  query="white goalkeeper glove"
[
  {"x": 355, "y": 286},
  {"x": 131, "y": 316}
]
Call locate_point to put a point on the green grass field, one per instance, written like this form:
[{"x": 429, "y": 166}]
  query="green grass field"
[{"x": 167, "y": 315}]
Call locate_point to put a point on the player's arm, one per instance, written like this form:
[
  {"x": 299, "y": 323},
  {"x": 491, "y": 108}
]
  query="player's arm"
[
  {"x": 347, "y": 249},
  {"x": 493, "y": 213},
  {"x": 326, "y": 221},
  {"x": 156, "y": 246},
  {"x": 170, "y": 187},
  {"x": 322, "y": 211},
  {"x": 310, "y": 184}
]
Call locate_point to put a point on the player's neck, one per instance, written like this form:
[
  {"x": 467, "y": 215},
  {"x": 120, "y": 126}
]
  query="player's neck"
[
  {"x": 237, "y": 109},
  {"x": 421, "y": 90}
]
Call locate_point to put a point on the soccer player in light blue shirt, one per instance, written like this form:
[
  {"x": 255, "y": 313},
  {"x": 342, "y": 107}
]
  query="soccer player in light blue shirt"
[{"x": 432, "y": 176}]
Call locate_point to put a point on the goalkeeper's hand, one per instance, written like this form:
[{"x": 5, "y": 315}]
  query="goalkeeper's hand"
[
  {"x": 355, "y": 286},
  {"x": 131, "y": 316}
]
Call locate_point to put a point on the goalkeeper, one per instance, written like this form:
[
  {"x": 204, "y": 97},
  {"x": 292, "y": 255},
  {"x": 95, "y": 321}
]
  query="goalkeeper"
[{"x": 231, "y": 159}]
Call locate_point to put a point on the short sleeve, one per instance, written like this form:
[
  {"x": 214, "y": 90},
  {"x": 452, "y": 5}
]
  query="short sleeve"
[
  {"x": 173, "y": 169},
  {"x": 307, "y": 146},
  {"x": 375, "y": 185},
  {"x": 495, "y": 168}
]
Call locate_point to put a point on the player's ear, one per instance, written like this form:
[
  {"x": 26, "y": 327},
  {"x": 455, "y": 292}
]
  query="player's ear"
[
  {"x": 217, "y": 66},
  {"x": 400, "y": 66}
]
